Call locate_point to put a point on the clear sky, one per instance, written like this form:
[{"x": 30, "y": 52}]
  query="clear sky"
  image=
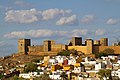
[{"x": 57, "y": 19}]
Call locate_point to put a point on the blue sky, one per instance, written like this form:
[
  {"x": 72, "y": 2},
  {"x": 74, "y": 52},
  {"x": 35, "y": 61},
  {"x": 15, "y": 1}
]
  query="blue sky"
[{"x": 57, "y": 19}]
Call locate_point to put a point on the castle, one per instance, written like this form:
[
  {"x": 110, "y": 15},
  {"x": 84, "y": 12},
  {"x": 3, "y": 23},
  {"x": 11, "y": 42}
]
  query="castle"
[{"x": 49, "y": 47}]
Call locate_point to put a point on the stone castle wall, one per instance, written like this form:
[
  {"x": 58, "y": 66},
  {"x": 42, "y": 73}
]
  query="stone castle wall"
[
  {"x": 23, "y": 45},
  {"x": 35, "y": 48},
  {"x": 82, "y": 49},
  {"x": 115, "y": 48},
  {"x": 58, "y": 47},
  {"x": 51, "y": 48},
  {"x": 97, "y": 49},
  {"x": 50, "y": 53}
]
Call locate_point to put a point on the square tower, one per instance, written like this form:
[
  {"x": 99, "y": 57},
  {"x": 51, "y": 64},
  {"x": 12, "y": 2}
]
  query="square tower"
[
  {"x": 23, "y": 45},
  {"x": 47, "y": 45},
  {"x": 76, "y": 41},
  {"x": 96, "y": 42},
  {"x": 104, "y": 42},
  {"x": 89, "y": 46}
]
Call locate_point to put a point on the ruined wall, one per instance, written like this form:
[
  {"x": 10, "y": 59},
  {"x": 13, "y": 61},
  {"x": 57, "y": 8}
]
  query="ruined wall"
[{"x": 79, "y": 48}]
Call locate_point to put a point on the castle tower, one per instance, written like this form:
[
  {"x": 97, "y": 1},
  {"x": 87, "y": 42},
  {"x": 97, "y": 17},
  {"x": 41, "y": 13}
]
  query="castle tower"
[
  {"x": 97, "y": 42},
  {"x": 104, "y": 41},
  {"x": 76, "y": 41},
  {"x": 23, "y": 45},
  {"x": 52, "y": 42},
  {"x": 47, "y": 45},
  {"x": 89, "y": 46}
]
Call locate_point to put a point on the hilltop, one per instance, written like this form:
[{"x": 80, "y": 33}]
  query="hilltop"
[{"x": 16, "y": 59}]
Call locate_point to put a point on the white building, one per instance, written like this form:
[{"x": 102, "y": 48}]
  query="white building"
[
  {"x": 112, "y": 57},
  {"x": 98, "y": 66},
  {"x": 91, "y": 71},
  {"x": 91, "y": 78},
  {"x": 40, "y": 68},
  {"x": 52, "y": 61},
  {"x": 1, "y": 68},
  {"x": 30, "y": 75},
  {"x": 25, "y": 75},
  {"x": 71, "y": 61},
  {"x": 104, "y": 57},
  {"x": 116, "y": 73},
  {"x": 77, "y": 69},
  {"x": 55, "y": 76},
  {"x": 80, "y": 78},
  {"x": 107, "y": 62},
  {"x": 59, "y": 59},
  {"x": 89, "y": 62},
  {"x": 118, "y": 61},
  {"x": 115, "y": 65}
]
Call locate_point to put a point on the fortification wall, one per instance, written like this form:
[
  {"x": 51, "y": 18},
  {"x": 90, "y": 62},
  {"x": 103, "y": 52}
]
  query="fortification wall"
[
  {"x": 43, "y": 53},
  {"x": 58, "y": 47},
  {"x": 23, "y": 45},
  {"x": 35, "y": 48},
  {"x": 97, "y": 49},
  {"x": 79, "y": 48},
  {"x": 115, "y": 48}
]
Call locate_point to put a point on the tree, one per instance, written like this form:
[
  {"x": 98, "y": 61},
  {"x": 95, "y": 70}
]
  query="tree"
[
  {"x": 64, "y": 76},
  {"x": 43, "y": 77},
  {"x": 119, "y": 43},
  {"x": 109, "y": 51},
  {"x": 64, "y": 53},
  {"x": 36, "y": 60},
  {"x": 30, "y": 68},
  {"x": 98, "y": 55},
  {"x": 16, "y": 78},
  {"x": 105, "y": 73},
  {"x": 106, "y": 52},
  {"x": 68, "y": 52},
  {"x": 108, "y": 73},
  {"x": 1, "y": 75},
  {"x": 73, "y": 52}
]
